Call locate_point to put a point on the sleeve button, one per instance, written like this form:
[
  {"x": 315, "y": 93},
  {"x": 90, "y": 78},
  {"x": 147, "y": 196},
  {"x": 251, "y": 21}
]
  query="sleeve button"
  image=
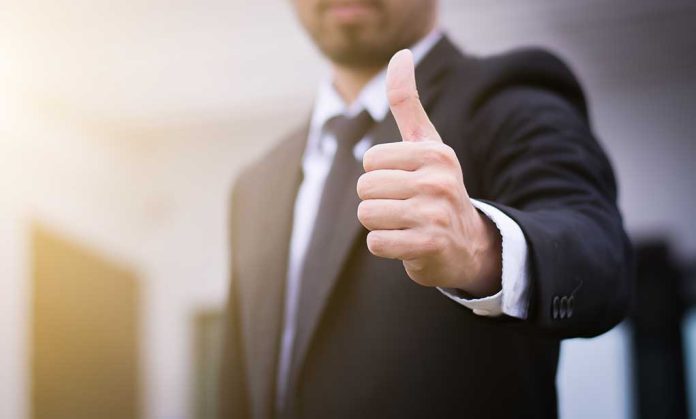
[{"x": 564, "y": 308}]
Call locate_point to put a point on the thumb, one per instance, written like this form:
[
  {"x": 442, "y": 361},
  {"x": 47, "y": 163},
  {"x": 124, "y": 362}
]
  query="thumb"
[{"x": 404, "y": 103}]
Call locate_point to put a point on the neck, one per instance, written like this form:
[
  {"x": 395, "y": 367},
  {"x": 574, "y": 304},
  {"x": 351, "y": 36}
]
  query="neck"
[{"x": 349, "y": 81}]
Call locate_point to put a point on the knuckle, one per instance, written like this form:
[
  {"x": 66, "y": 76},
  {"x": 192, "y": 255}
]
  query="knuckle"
[
  {"x": 449, "y": 154},
  {"x": 449, "y": 188},
  {"x": 430, "y": 155},
  {"x": 416, "y": 131},
  {"x": 375, "y": 243},
  {"x": 415, "y": 269},
  {"x": 431, "y": 244},
  {"x": 437, "y": 215},
  {"x": 399, "y": 95},
  {"x": 435, "y": 152},
  {"x": 364, "y": 211},
  {"x": 363, "y": 187},
  {"x": 371, "y": 157},
  {"x": 439, "y": 153},
  {"x": 433, "y": 185},
  {"x": 410, "y": 212}
]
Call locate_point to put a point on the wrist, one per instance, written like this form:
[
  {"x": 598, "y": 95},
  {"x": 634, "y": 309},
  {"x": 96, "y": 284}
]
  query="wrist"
[{"x": 486, "y": 278}]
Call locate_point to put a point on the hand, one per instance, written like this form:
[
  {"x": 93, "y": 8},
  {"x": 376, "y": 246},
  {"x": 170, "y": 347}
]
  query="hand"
[{"x": 415, "y": 204}]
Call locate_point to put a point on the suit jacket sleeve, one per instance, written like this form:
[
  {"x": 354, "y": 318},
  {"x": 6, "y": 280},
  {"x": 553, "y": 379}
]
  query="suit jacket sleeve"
[{"x": 541, "y": 165}]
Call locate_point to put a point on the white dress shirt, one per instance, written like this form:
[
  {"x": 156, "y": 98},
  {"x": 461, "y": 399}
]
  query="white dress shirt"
[{"x": 316, "y": 162}]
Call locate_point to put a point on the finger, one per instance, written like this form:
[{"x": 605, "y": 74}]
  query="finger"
[
  {"x": 386, "y": 184},
  {"x": 398, "y": 156},
  {"x": 404, "y": 103},
  {"x": 385, "y": 214},
  {"x": 407, "y": 244}
]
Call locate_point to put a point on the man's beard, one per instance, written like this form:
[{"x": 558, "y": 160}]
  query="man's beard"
[
  {"x": 365, "y": 44},
  {"x": 356, "y": 52}
]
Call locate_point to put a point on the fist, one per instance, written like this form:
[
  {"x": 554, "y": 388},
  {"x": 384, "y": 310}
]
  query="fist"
[{"x": 415, "y": 204}]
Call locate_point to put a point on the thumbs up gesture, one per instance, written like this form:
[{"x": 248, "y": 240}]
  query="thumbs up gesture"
[{"x": 415, "y": 204}]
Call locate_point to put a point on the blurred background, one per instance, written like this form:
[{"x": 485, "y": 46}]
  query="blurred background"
[{"x": 123, "y": 124}]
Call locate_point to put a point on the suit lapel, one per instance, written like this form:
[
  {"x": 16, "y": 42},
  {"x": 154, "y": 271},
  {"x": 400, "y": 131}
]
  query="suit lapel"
[
  {"x": 262, "y": 263},
  {"x": 347, "y": 227}
]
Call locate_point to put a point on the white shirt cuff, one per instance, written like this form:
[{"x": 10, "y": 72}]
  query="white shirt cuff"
[{"x": 513, "y": 298}]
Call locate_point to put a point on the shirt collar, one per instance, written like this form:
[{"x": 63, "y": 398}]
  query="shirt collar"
[{"x": 329, "y": 103}]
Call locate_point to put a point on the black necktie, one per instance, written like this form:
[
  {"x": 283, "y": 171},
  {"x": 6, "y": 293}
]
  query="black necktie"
[
  {"x": 340, "y": 182},
  {"x": 338, "y": 192}
]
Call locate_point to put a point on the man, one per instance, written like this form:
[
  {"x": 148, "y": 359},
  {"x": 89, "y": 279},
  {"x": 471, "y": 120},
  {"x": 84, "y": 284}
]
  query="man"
[{"x": 486, "y": 231}]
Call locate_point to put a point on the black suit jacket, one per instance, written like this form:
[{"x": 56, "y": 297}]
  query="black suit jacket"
[{"x": 376, "y": 344}]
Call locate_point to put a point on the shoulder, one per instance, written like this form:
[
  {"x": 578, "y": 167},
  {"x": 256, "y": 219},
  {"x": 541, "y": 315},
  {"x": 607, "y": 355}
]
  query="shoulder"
[
  {"x": 288, "y": 151},
  {"x": 522, "y": 76},
  {"x": 519, "y": 96}
]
